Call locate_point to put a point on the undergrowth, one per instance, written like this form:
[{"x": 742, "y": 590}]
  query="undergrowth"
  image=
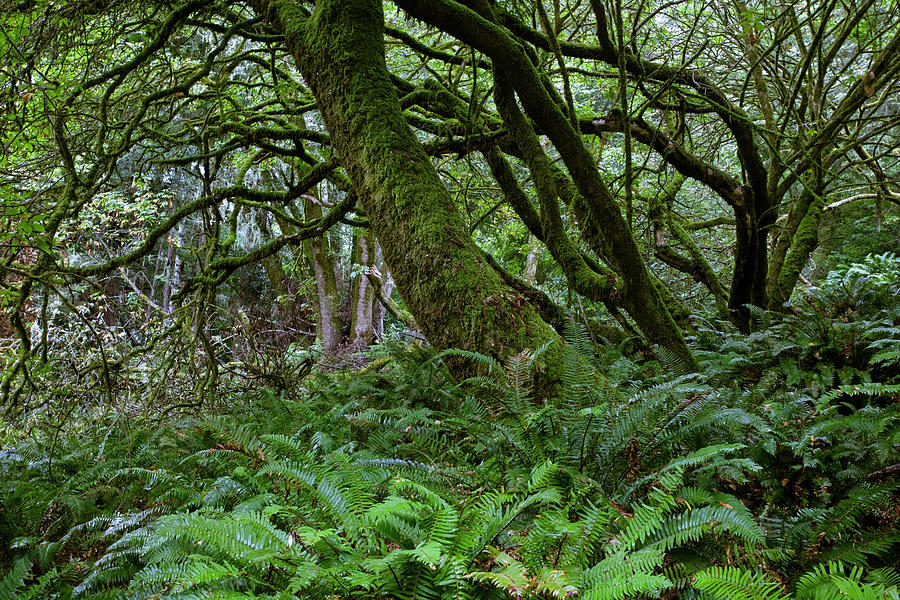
[{"x": 773, "y": 474}]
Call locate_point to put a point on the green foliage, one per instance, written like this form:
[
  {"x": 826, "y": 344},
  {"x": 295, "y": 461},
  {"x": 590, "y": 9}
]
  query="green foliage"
[
  {"x": 826, "y": 581},
  {"x": 116, "y": 220},
  {"x": 770, "y": 474},
  {"x": 398, "y": 482},
  {"x": 867, "y": 286}
]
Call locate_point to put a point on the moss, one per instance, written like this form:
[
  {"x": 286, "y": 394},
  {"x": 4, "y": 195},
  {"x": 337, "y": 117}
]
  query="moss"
[
  {"x": 288, "y": 14},
  {"x": 703, "y": 270},
  {"x": 803, "y": 243},
  {"x": 676, "y": 308},
  {"x": 455, "y": 296}
]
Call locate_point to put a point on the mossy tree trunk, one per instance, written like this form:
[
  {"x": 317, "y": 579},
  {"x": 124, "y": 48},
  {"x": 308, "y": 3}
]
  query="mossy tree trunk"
[
  {"x": 514, "y": 72},
  {"x": 455, "y": 296},
  {"x": 796, "y": 241}
]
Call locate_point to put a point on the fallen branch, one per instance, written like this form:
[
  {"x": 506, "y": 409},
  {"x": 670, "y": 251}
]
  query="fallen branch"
[{"x": 884, "y": 471}]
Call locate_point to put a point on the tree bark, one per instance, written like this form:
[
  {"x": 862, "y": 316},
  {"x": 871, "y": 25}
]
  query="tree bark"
[
  {"x": 174, "y": 268},
  {"x": 796, "y": 242},
  {"x": 529, "y": 274},
  {"x": 383, "y": 286},
  {"x": 276, "y": 275}
]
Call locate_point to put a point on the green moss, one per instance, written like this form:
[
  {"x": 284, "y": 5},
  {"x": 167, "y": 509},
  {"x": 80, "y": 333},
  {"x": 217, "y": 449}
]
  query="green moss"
[
  {"x": 455, "y": 296},
  {"x": 704, "y": 269},
  {"x": 289, "y": 15},
  {"x": 803, "y": 243}
]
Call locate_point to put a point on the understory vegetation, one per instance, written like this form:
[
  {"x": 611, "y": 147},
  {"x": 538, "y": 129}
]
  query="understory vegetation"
[{"x": 772, "y": 473}]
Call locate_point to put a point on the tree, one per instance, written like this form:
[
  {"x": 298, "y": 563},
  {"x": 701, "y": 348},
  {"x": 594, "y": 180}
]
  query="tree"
[
  {"x": 565, "y": 112},
  {"x": 800, "y": 105}
]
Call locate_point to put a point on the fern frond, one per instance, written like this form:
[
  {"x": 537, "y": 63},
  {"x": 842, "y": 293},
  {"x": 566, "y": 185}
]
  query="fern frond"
[
  {"x": 692, "y": 525},
  {"x": 677, "y": 466},
  {"x": 732, "y": 583},
  {"x": 624, "y": 574},
  {"x": 583, "y": 544},
  {"x": 872, "y": 389},
  {"x": 14, "y": 580},
  {"x": 512, "y": 575}
]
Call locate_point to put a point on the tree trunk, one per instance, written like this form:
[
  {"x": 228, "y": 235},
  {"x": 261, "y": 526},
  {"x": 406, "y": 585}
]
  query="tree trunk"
[
  {"x": 362, "y": 295},
  {"x": 529, "y": 274},
  {"x": 174, "y": 268},
  {"x": 635, "y": 292},
  {"x": 276, "y": 275},
  {"x": 805, "y": 241},
  {"x": 754, "y": 218},
  {"x": 387, "y": 288},
  {"x": 797, "y": 240},
  {"x": 456, "y": 297},
  {"x": 329, "y": 327}
]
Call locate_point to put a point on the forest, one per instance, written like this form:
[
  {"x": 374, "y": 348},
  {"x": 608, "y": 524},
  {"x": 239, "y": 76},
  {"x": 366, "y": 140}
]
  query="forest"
[{"x": 450, "y": 299}]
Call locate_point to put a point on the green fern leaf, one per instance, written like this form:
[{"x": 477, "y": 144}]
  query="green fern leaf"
[{"x": 732, "y": 583}]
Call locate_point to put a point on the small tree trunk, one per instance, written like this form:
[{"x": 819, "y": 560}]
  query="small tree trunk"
[
  {"x": 362, "y": 296},
  {"x": 329, "y": 327},
  {"x": 276, "y": 275},
  {"x": 387, "y": 288},
  {"x": 174, "y": 268},
  {"x": 529, "y": 275}
]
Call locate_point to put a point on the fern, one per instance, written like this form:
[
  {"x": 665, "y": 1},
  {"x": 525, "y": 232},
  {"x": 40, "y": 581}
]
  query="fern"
[
  {"x": 401, "y": 483},
  {"x": 511, "y": 575},
  {"x": 14, "y": 580},
  {"x": 694, "y": 524},
  {"x": 832, "y": 581},
  {"x": 622, "y": 574},
  {"x": 731, "y": 583}
]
